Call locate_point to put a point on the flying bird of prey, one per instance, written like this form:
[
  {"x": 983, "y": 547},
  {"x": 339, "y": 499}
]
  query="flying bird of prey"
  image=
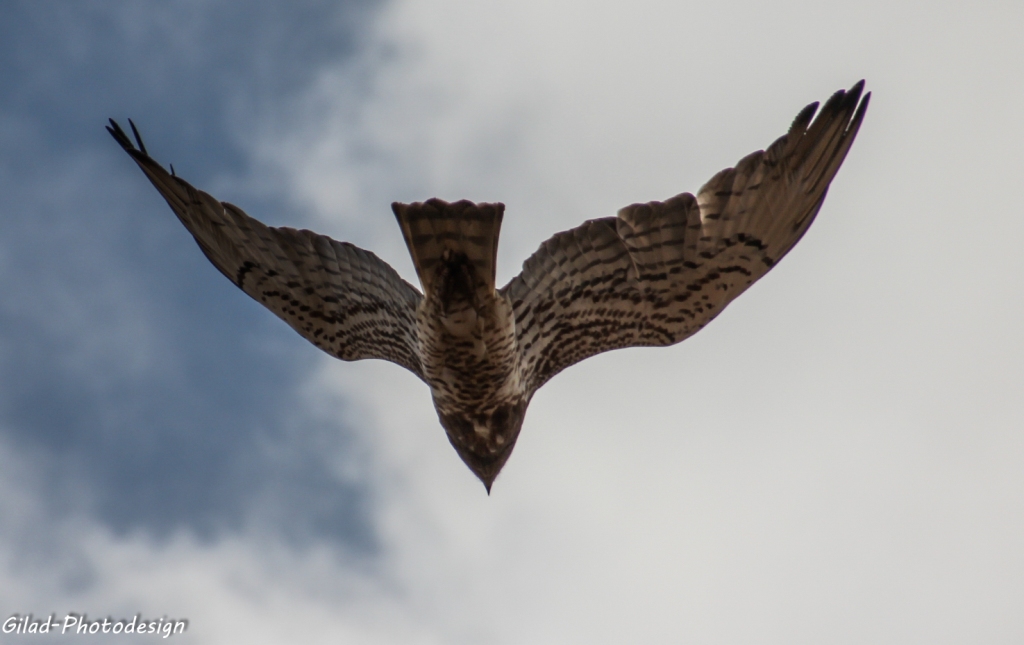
[{"x": 652, "y": 276}]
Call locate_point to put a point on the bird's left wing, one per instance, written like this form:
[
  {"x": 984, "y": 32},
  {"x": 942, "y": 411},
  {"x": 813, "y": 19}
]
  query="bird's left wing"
[
  {"x": 660, "y": 271},
  {"x": 346, "y": 301}
]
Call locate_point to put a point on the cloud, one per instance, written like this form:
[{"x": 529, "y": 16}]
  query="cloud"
[
  {"x": 146, "y": 410},
  {"x": 799, "y": 463}
]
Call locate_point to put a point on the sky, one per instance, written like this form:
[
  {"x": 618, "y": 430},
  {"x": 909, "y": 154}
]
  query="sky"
[{"x": 836, "y": 458}]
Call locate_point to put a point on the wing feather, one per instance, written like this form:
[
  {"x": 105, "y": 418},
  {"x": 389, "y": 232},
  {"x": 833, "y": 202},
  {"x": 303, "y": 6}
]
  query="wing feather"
[
  {"x": 346, "y": 301},
  {"x": 660, "y": 271}
]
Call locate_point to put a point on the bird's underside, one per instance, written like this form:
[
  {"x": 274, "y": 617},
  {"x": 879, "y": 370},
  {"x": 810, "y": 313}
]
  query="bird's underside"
[{"x": 652, "y": 276}]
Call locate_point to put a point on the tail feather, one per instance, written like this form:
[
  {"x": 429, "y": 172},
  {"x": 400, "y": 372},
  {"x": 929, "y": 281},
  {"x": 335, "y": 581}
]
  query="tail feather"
[{"x": 436, "y": 231}]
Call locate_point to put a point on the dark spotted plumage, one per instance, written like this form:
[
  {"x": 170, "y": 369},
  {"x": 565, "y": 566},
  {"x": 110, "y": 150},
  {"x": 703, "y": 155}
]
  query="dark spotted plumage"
[{"x": 652, "y": 276}]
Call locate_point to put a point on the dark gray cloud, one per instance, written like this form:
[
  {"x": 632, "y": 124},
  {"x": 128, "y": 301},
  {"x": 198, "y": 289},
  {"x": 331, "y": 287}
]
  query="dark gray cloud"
[{"x": 148, "y": 390}]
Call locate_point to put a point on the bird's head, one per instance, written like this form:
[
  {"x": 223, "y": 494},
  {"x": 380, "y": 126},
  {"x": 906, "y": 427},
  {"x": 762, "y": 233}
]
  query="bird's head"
[{"x": 485, "y": 440}]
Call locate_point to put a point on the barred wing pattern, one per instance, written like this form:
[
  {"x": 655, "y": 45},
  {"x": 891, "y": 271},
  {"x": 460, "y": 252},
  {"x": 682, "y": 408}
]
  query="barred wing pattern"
[
  {"x": 346, "y": 301},
  {"x": 659, "y": 272}
]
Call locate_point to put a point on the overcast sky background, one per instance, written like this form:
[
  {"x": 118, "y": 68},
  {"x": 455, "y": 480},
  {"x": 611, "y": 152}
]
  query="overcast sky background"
[{"x": 836, "y": 459}]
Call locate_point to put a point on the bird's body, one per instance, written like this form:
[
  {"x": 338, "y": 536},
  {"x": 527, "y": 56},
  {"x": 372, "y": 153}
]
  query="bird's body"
[
  {"x": 652, "y": 276},
  {"x": 467, "y": 330}
]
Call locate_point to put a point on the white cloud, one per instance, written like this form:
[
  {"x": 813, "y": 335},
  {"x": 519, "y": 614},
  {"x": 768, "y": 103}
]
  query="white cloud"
[{"x": 834, "y": 456}]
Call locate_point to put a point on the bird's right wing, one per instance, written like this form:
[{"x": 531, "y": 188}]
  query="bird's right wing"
[
  {"x": 660, "y": 271},
  {"x": 346, "y": 301}
]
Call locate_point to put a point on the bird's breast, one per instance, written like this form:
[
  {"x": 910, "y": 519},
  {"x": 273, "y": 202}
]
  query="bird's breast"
[{"x": 470, "y": 355}]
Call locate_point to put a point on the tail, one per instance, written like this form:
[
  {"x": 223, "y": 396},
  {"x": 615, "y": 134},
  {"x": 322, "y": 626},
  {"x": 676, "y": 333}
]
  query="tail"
[{"x": 440, "y": 235}]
